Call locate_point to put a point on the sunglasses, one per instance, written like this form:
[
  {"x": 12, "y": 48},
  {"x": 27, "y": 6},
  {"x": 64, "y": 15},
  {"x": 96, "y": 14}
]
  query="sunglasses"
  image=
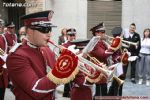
[
  {"x": 71, "y": 34},
  {"x": 11, "y": 27},
  {"x": 102, "y": 31},
  {"x": 43, "y": 30}
]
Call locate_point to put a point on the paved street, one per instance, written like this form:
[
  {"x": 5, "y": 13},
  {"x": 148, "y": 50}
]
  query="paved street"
[{"x": 130, "y": 89}]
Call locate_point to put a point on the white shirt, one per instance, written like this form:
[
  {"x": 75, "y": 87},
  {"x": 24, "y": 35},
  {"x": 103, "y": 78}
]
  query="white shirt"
[
  {"x": 131, "y": 35},
  {"x": 65, "y": 38},
  {"x": 126, "y": 33},
  {"x": 145, "y": 46}
]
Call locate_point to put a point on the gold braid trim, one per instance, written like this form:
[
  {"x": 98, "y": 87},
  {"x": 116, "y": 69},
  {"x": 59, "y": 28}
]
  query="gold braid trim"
[
  {"x": 57, "y": 80},
  {"x": 116, "y": 47},
  {"x": 94, "y": 80}
]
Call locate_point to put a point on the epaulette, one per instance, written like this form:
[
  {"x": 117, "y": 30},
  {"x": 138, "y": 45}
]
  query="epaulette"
[{"x": 14, "y": 48}]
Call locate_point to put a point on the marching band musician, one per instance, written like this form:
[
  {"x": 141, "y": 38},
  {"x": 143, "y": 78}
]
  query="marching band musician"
[
  {"x": 117, "y": 57},
  {"x": 99, "y": 53},
  {"x": 28, "y": 62},
  {"x": 9, "y": 37},
  {"x": 71, "y": 35},
  {"x": 3, "y": 71},
  {"x": 81, "y": 88},
  {"x": 63, "y": 37}
]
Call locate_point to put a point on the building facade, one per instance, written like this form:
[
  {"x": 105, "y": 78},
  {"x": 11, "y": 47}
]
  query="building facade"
[{"x": 84, "y": 14}]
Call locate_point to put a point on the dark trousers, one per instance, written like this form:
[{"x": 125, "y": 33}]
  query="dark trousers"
[
  {"x": 2, "y": 93},
  {"x": 115, "y": 89},
  {"x": 67, "y": 90},
  {"x": 101, "y": 89},
  {"x": 125, "y": 69},
  {"x": 133, "y": 69}
]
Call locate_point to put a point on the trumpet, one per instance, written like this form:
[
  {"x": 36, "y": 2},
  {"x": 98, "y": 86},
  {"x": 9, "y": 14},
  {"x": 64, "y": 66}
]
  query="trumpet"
[
  {"x": 131, "y": 43},
  {"x": 82, "y": 61},
  {"x": 119, "y": 81},
  {"x": 124, "y": 42},
  {"x": 112, "y": 77}
]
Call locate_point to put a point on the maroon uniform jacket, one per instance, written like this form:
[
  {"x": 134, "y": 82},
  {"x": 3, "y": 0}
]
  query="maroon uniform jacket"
[
  {"x": 67, "y": 44},
  {"x": 3, "y": 72},
  {"x": 81, "y": 88},
  {"x": 99, "y": 53},
  {"x": 9, "y": 40},
  {"x": 116, "y": 56},
  {"x": 27, "y": 68},
  {"x": 6, "y": 42}
]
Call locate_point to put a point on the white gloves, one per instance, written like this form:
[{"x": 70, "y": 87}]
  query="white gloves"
[
  {"x": 4, "y": 57},
  {"x": 129, "y": 53},
  {"x": 132, "y": 58},
  {"x": 72, "y": 49}
]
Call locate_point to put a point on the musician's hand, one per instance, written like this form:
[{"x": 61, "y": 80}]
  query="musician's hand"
[
  {"x": 85, "y": 55},
  {"x": 61, "y": 47},
  {"x": 129, "y": 53},
  {"x": 72, "y": 49},
  {"x": 126, "y": 51},
  {"x": 111, "y": 67}
]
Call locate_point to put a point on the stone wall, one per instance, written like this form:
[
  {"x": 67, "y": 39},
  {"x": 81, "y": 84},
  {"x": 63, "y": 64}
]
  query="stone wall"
[
  {"x": 136, "y": 11},
  {"x": 3, "y": 12},
  {"x": 37, "y": 5},
  {"x": 68, "y": 13}
]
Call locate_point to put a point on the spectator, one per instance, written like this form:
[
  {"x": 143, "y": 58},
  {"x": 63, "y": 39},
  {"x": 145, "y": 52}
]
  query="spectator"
[
  {"x": 63, "y": 37},
  {"x": 144, "y": 60},
  {"x": 22, "y": 34},
  {"x": 134, "y": 50}
]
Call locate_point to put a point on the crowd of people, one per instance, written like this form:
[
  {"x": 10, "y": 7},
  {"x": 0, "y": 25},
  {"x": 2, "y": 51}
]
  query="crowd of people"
[{"x": 34, "y": 70}]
